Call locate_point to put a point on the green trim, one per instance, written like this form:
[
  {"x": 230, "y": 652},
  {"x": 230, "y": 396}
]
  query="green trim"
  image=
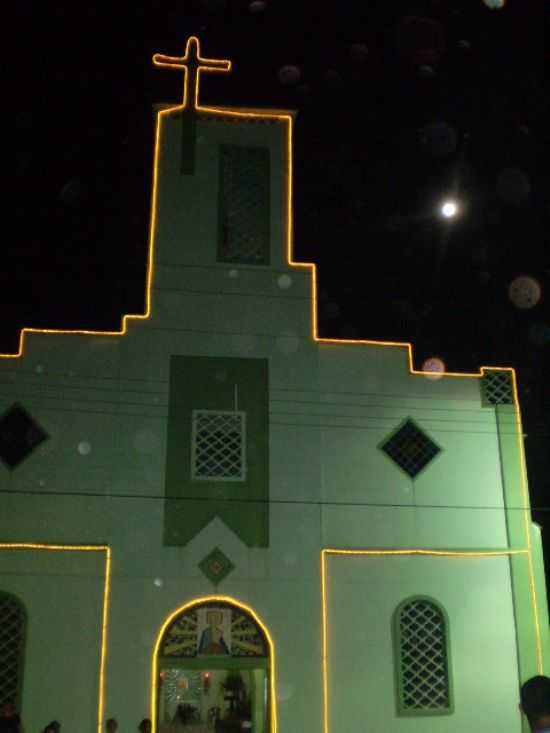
[
  {"x": 540, "y": 583},
  {"x": 210, "y": 383},
  {"x": 21, "y": 662},
  {"x": 207, "y": 663},
  {"x": 511, "y": 470},
  {"x": 216, "y": 559},
  {"x": 398, "y": 672}
]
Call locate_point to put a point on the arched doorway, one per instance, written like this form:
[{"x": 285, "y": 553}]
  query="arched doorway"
[{"x": 214, "y": 670}]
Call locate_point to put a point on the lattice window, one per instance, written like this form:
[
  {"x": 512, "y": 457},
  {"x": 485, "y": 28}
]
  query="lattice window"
[
  {"x": 20, "y": 434},
  {"x": 421, "y": 637},
  {"x": 410, "y": 448},
  {"x": 12, "y": 640},
  {"x": 244, "y": 205},
  {"x": 497, "y": 388},
  {"x": 218, "y": 445}
]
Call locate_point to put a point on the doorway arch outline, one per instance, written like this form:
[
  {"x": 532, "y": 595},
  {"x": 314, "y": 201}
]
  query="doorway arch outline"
[{"x": 203, "y": 600}]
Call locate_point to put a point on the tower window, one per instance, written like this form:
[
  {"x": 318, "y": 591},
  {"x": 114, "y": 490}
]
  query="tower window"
[{"x": 244, "y": 205}]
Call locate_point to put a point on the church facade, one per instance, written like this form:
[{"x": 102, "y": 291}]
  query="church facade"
[{"x": 217, "y": 520}]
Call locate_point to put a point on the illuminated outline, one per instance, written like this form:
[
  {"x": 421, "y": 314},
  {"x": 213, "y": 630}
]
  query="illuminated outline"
[
  {"x": 378, "y": 553},
  {"x": 287, "y": 118},
  {"x": 193, "y": 59},
  {"x": 200, "y": 602},
  {"x": 105, "y": 611}
]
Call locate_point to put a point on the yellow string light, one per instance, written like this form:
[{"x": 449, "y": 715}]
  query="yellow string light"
[
  {"x": 192, "y": 63},
  {"x": 200, "y": 602},
  {"x": 192, "y": 54},
  {"x": 105, "y": 607},
  {"x": 526, "y": 524}
]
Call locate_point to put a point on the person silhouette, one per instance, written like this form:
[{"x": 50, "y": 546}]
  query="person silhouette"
[{"x": 535, "y": 703}]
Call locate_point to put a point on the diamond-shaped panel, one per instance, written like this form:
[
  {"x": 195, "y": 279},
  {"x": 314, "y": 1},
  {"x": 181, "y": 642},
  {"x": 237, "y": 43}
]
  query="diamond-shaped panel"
[
  {"x": 216, "y": 566},
  {"x": 20, "y": 434},
  {"x": 497, "y": 387},
  {"x": 218, "y": 445},
  {"x": 244, "y": 205},
  {"x": 11, "y": 647},
  {"x": 424, "y": 672},
  {"x": 410, "y": 448}
]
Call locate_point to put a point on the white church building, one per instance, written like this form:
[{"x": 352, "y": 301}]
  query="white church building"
[{"x": 217, "y": 520}]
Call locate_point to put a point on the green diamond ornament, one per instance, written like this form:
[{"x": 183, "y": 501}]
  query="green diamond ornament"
[{"x": 216, "y": 566}]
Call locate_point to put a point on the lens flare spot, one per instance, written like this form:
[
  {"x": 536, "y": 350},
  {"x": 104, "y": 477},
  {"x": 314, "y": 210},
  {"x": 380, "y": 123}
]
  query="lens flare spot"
[
  {"x": 284, "y": 282},
  {"x": 433, "y": 368},
  {"x": 524, "y": 292}
]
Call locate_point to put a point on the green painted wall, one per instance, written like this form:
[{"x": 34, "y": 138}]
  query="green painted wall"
[{"x": 209, "y": 383}]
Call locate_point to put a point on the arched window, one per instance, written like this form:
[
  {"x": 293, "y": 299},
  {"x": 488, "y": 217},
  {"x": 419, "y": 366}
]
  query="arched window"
[
  {"x": 12, "y": 643},
  {"x": 421, "y": 644}
]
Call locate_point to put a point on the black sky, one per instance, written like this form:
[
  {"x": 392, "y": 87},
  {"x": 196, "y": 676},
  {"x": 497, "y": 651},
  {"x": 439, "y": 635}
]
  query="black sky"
[{"x": 454, "y": 103}]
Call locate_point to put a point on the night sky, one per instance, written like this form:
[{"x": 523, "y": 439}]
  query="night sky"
[{"x": 400, "y": 105}]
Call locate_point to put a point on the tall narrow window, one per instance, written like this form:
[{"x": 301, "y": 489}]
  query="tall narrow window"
[
  {"x": 12, "y": 642},
  {"x": 244, "y": 205},
  {"x": 421, "y": 644}
]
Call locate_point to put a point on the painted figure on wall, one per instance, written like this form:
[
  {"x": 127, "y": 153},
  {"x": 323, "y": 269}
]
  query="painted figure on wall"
[{"x": 212, "y": 641}]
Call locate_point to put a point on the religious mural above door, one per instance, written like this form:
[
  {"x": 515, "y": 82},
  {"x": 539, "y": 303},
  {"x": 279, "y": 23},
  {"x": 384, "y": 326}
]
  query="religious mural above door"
[{"x": 213, "y": 631}]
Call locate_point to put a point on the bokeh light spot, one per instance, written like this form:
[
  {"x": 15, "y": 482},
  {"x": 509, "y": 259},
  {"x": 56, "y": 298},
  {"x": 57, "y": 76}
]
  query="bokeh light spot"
[
  {"x": 433, "y": 367},
  {"x": 421, "y": 40},
  {"x": 524, "y": 292},
  {"x": 358, "y": 52},
  {"x": 289, "y": 75},
  {"x": 257, "y": 6}
]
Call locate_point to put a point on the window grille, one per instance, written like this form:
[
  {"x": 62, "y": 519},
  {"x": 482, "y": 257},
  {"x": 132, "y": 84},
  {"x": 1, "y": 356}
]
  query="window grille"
[
  {"x": 244, "y": 205},
  {"x": 218, "y": 445},
  {"x": 422, "y": 658},
  {"x": 497, "y": 388},
  {"x": 410, "y": 448},
  {"x": 20, "y": 434},
  {"x": 12, "y": 640}
]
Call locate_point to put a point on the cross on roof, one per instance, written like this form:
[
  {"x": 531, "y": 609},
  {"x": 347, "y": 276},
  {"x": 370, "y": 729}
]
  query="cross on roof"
[{"x": 192, "y": 64}]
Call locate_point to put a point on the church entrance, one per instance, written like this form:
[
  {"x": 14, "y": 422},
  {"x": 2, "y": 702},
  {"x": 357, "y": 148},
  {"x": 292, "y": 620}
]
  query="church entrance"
[{"x": 213, "y": 672}]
